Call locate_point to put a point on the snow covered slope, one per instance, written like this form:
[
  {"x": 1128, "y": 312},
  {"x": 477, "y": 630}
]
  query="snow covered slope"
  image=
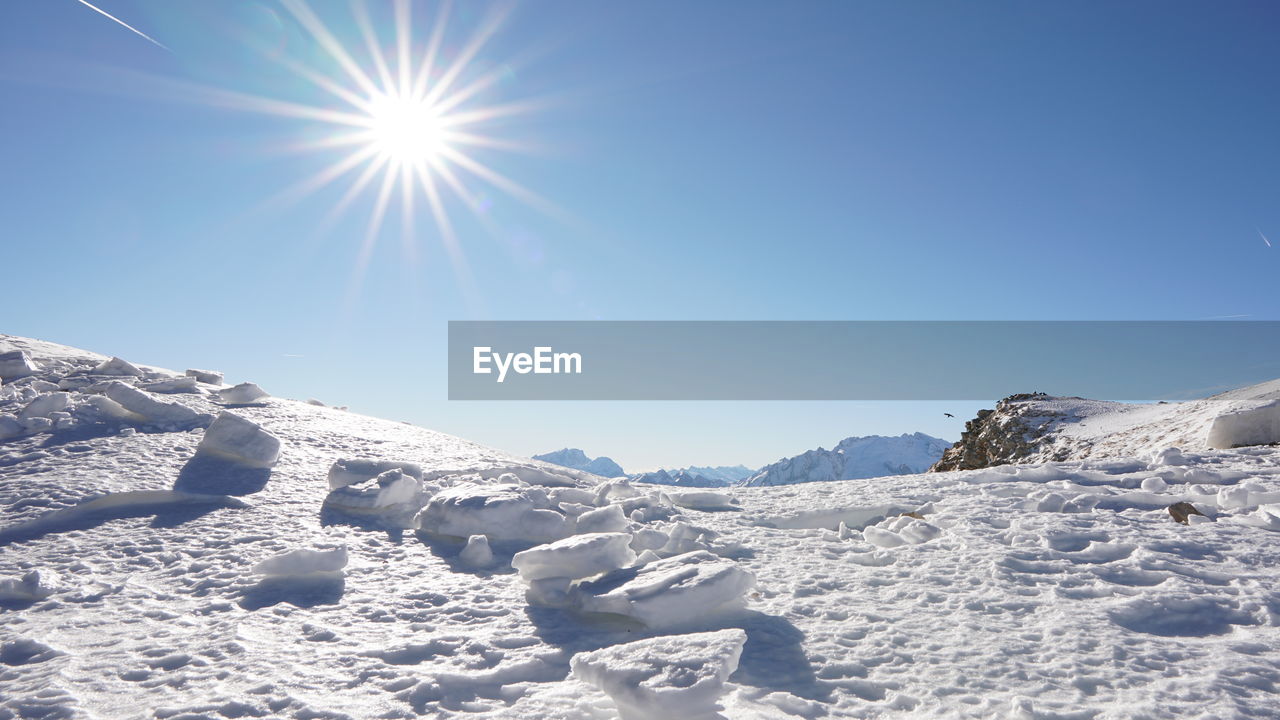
[
  {"x": 379, "y": 570},
  {"x": 855, "y": 457},
  {"x": 1037, "y": 427},
  {"x": 578, "y": 460}
]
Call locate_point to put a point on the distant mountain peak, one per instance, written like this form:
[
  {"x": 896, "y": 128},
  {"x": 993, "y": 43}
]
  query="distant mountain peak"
[
  {"x": 578, "y": 460},
  {"x": 855, "y": 457}
]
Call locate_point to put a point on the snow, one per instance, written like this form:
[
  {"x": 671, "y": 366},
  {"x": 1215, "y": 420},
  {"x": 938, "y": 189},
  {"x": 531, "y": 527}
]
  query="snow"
[
  {"x": 148, "y": 409},
  {"x": 1100, "y": 605},
  {"x": 855, "y": 458},
  {"x": 35, "y": 585},
  {"x": 393, "y": 495},
  {"x": 578, "y": 460},
  {"x": 208, "y": 377},
  {"x": 477, "y": 554},
  {"x": 674, "y": 592},
  {"x": 15, "y": 364},
  {"x": 576, "y": 557},
  {"x": 116, "y": 366},
  {"x": 665, "y": 677},
  {"x": 173, "y": 385},
  {"x": 239, "y": 440},
  {"x": 600, "y": 520},
  {"x": 1255, "y": 426},
  {"x": 701, "y": 500},
  {"x": 499, "y": 512},
  {"x": 241, "y": 394},
  {"x": 346, "y": 472},
  {"x": 303, "y": 562}
]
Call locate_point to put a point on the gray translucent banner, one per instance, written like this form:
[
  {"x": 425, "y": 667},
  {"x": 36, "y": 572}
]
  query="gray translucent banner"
[{"x": 857, "y": 360}]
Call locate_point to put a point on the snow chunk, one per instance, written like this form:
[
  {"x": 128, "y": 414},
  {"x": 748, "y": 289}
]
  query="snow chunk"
[
  {"x": 676, "y": 591},
  {"x": 208, "y": 377},
  {"x": 394, "y": 494},
  {"x": 477, "y": 553},
  {"x": 658, "y": 678},
  {"x": 701, "y": 500},
  {"x": 500, "y": 512},
  {"x": 16, "y": 364},
  {"x": 234, "y": 438},
  {"x": 45, "y": 404},
  {"x": 602, "y": 520},
  {"x": 147, "y": 407},
  {"x": 10, "y": 427},
  {"x": 1168, "y": 457},
  {"x": 245, "y": 392},
  {"x": 575, "y": 557},
  {"x": 35, "y": 585},
  {"x": 173, "y": 385},
  {"x": 116, "y": 366},
  {"x": 349, "y": 472},
  {"x": 303, "y": 562},
  {"x": 1258, "y": 426}
]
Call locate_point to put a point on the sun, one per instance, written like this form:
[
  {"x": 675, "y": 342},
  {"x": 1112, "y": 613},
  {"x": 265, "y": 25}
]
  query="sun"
[{"x": 406, "y": 130}]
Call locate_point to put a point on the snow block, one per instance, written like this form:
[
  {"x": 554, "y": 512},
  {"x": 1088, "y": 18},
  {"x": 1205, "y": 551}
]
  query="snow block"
[
  {"x": 1258, "y": 426},
  {"x": 499, "y": 512},
  {"x": 676, "y": 591},
  {"x": 116, "y": 366},
  {"x": 150, "y": 409},
  {"x": 238, "y": 440},
  {"x": 243, "y": 393},
  {"x": 10, "y": 427},
  {"x": 208, "y": 377},
  {"x": 15, "y": 364},
  {"x": 45, "y": 404},
  {"x": 576, "y": 557},
  {"x": 393, "y": 495},
  {"x": 602, "y": 520},
  {"x": 350, "y": 472},
  {"x": 173, "y": 385},
  {"x": 477, "y": 553},
  {"x": 701, "y": 500},
  {"x": 35, "y": 585},
  {"x": 674, "y": 676},
  {"x": 303, "y": 562}
]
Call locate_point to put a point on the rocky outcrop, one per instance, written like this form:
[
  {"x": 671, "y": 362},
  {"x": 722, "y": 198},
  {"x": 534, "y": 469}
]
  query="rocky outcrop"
[{"x": 1014, "y": 431}]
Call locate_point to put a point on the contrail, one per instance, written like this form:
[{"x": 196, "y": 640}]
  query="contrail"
[
  {"x": 150, "y": 39},
  {"x": 1264, "y": 237}
]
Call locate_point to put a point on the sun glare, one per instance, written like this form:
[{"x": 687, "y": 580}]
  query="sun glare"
[{"x": 406, "y": 131}]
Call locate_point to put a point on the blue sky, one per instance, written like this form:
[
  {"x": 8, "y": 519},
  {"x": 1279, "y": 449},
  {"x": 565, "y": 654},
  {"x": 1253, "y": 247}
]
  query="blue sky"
[{"x": 747, "y": 160}]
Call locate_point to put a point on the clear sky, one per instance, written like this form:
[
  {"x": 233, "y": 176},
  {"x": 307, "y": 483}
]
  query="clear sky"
[{"x": 709, "y": 160}]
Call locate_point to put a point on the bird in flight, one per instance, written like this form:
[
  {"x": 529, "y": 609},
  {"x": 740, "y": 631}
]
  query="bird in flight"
[
  {"x": 949, "y": 415},
  {"x": 1264, "y": 237}
]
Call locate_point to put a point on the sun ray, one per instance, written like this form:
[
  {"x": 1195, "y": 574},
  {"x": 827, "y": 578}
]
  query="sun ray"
[
  {"x": 308, "y": 19},
  {"x": 468, "y": 53},
  {"x": 404, "y": 68},
  {"x": 360, "y": 10},
  {"x": 432, "y": 49}
]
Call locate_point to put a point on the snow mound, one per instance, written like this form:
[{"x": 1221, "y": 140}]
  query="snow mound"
[
  {"x": 701, "y": 500},
  {"x": 231, "y": 437},
  {"x": 673, "y": 592},
  {"x": 116, "y": 366},
  {"x": 303, "y": 562},
  {"x": 497, "y": 511},
  {"x": 675, "y": 676},
  {"x": 394, "y": 495},
  {"x": 242, "y": 394},
  {"x": 1255, "y": 426},
  {"x": 576, "y": 557},
  {"x": 35, "y": 585},
  {"x": 15, "y": 364},
  {"x": 178, "y": 385},
  {"x": 146, "y": 408},
  {"x": 208, "y": 377},
  {"x": 350, "y": 472},
  {"x": 477, "y": 553}
]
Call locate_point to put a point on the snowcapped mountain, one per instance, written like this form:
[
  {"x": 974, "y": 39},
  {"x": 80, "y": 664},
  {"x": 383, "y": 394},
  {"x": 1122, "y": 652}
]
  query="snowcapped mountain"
[
  {"x": 681, "y": 478},
  {"x": 855, "y": 457},
  {"x": 171, "y": 546},
  {"x": 727, "y": 474},
  {"x": 578, "y": 460}
]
